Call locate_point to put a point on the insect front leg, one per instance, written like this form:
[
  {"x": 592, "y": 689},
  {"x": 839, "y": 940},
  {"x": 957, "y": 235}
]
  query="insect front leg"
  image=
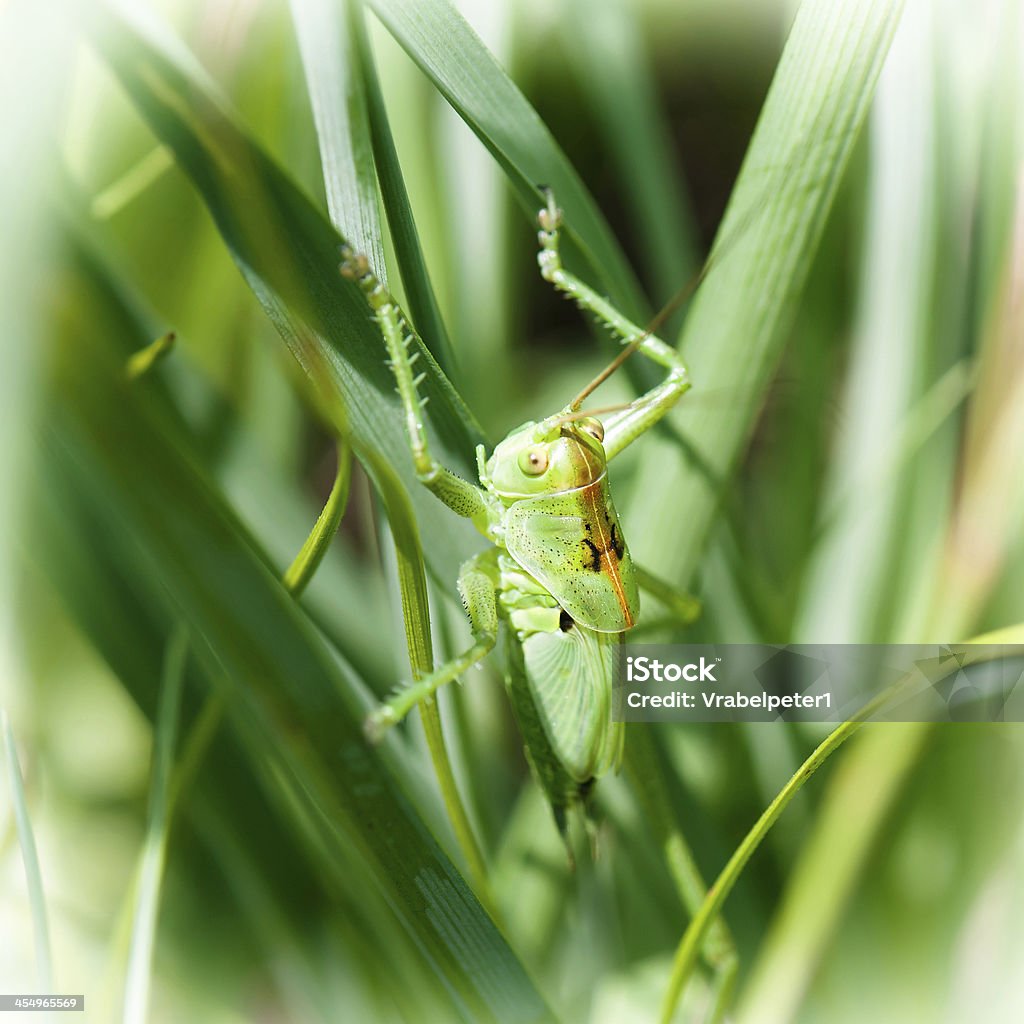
[
  {"x": 623, "y": 427},
  {"x": 478, "y": 580},
  {"x": 459, "y": 495}
]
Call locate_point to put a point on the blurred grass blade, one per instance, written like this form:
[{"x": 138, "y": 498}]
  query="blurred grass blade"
[
  {"x": 158, "y": 824},
  {"x": 928, "y": 415},
  {"x": 811, "y": 118},
  {"x": 305, "y": 564},
  {"x": 602, "y": 43},
  {"x": 141, "y": 362},
  {"x": 288, "y": 252},
  {"x": 647, "y": 778},
  {"x": 447, "y": 50},
  {"x": 30, "y": 859},
  {"x": 989, "y": 504},
  {"x": 34, "y": 56},
  {"x": 830, "y": 862},
  {"x": 132, "y": 183},
  {"x": 1005, "y": 635},
  {"x": 294, "y": 703},
  {"x": 894, "y": 340}
]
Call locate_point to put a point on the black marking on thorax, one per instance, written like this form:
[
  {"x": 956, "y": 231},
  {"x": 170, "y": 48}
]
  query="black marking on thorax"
[
  {"x": 617, "y": 546},
  {"x": 594, "y": 554},
  {"x": 594, "y": 563}
]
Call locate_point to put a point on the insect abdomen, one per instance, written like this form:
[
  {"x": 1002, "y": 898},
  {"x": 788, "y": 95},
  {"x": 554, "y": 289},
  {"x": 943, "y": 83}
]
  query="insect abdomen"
[{"x": 570, "y": 678}]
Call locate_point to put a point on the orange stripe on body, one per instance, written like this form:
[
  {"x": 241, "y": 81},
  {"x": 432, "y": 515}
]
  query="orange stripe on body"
[
  {"x": 611, "y": 570},
  {"x": 602, "y": 539}
]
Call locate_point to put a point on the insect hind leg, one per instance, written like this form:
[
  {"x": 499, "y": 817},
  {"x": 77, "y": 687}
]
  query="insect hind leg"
[{"x": 478, "y": 588}]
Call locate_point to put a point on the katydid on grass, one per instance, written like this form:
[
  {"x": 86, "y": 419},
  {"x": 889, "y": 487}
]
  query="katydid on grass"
[{"x": 558, "y": 573}]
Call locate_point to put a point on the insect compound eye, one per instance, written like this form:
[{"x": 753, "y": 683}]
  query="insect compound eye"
[
  {"x": 533, "y": 461},
  {"x": 593, "y": 426}
]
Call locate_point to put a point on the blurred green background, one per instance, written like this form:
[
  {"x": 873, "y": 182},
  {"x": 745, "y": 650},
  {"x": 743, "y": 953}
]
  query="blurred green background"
[{"x": 847, "y": 468}]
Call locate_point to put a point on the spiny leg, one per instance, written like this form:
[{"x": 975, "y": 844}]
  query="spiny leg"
[
  {"x": 459, "y": 495},
  {"x": 477, "y": 586},
  {"x": 642, "y": 414}
]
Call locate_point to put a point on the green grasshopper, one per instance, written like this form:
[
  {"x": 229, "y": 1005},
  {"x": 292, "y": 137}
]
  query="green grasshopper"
[{"x": 559, "y": 572}]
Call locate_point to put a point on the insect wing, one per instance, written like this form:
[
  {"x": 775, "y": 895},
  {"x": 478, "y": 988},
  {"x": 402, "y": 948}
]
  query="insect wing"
[
  {"x": 570, "y": 678},
  {"x": 571, "y": 542}
]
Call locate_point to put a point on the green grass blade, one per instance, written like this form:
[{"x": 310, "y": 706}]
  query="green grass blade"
[
  {"x": 339, "y": 105},
  {"x": 892, "y": 360},
  {"x": 30, "y": 859},
  {"x": 830, "y": 862},
  {"x": 700, "y": 926},
  {"x": 338, "y": 99},
  {"x": 646, "y": 775},
  {"x": 412, "y": 583},
  {"x": 287, "y": 251},
  {"x": 358, "y": 156},
  {"x": 307, "y": 561},
  {"x": 447, "y": 50},
  {"x": 737, "y": 327},
  {"x": 426, "y": 314},
  {"x": 158, "y": 824},
  {"x": 603, "y": 45}
]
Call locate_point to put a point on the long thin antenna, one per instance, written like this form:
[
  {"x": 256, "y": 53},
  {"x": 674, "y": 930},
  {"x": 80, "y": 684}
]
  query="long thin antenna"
[
  {"x": 677, "y": 300},
  {"x": 681, "y": 296},
  {"x": 577, "y": 414},
  {"x": 608, "y": 371}
]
